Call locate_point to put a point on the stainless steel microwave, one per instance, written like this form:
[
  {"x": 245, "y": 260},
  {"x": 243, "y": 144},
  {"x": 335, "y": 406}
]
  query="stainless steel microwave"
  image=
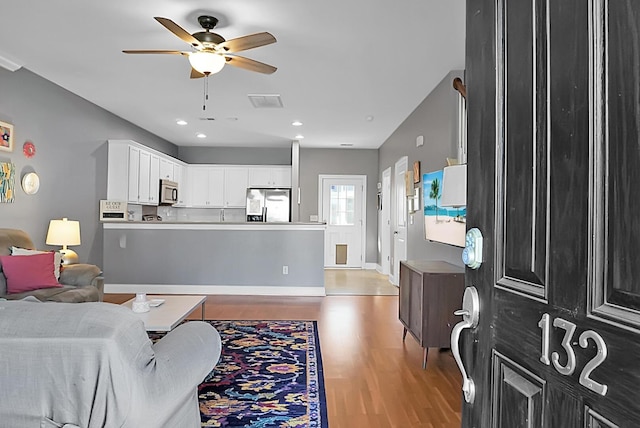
[{"x": 168, "y": 192}]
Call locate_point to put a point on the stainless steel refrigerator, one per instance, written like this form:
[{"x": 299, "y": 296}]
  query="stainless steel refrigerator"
[{"x": 269, "y": 205}]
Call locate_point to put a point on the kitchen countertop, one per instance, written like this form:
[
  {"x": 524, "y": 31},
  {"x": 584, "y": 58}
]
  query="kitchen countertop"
[{"x": 211, "y": 225}]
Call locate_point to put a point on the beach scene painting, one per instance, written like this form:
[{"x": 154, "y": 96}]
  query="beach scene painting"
[{"x": 441, "y": 224}]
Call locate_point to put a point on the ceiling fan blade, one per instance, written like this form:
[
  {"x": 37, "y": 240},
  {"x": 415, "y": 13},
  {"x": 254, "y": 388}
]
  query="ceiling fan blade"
[
  {"x": 154, "y": 52},
  {"x": 250, "y": 64},
  {"x": 178, "y": 31},
  {"x": 247, "y": 42},
  {"x": 195, "y": 74}
]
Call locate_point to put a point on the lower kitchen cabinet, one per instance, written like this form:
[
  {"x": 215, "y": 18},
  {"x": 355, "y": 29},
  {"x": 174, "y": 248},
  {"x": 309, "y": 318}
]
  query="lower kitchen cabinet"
[{"x": 430, "y": 292}]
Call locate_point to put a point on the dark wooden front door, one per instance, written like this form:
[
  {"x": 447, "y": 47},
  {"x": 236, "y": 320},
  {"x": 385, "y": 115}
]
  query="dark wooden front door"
[{"x": 553, "y": 97}]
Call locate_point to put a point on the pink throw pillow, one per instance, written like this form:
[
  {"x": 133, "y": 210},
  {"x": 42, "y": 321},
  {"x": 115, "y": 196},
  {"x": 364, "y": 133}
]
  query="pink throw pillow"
[{"x": 28, "y": 273}]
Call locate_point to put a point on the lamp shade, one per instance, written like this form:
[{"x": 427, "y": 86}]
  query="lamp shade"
[
  {"x": 63, "y": 232},
  {"x": 206, "y": 62},
  {"x": 454, "y": 186}
]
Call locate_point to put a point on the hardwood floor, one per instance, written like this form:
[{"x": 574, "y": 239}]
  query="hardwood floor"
[
  {"x": 357, "y": 282},
  {"x": 372, "y": 379}
]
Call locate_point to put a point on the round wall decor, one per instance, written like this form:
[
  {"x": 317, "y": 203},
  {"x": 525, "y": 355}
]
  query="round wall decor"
[
  {"x": 31, "y": 183},
  {"x": 29, "y": 149}
]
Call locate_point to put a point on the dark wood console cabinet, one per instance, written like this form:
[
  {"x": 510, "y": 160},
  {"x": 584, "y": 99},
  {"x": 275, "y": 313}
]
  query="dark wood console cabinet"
[{"x": 430, "y": 292}]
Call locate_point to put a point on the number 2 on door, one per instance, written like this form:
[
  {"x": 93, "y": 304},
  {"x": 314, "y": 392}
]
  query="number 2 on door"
[{"x": 567, "y": 370}]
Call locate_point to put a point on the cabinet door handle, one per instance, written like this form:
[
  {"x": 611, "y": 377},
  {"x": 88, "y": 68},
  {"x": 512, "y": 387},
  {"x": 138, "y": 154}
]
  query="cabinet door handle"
[{"x": 470, "y": 315}]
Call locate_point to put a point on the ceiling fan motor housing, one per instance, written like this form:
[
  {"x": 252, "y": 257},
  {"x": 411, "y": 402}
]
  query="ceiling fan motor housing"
[{"x": 206, "y": 37}]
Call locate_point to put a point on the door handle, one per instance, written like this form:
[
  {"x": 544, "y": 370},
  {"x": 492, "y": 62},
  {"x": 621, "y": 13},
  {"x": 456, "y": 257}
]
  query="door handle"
[{"x": 470, "y": 315}]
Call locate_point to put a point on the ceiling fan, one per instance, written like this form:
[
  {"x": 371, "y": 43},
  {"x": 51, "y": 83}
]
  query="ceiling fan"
[{"x": 211, "y": 51}]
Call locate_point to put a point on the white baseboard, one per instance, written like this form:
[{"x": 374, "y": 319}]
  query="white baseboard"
[
  {"x": 371, "y": 266},
  {"x": 231, "y": 290}
]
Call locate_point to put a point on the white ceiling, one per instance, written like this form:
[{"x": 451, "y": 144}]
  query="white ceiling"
[{"x": 339, "y": 62}]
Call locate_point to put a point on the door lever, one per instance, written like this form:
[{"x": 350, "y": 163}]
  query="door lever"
[{"x": 470, "y": 313}]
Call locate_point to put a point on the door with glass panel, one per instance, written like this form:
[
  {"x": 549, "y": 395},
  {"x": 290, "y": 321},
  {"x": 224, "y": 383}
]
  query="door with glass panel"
[{"x": 341, "y": 204}]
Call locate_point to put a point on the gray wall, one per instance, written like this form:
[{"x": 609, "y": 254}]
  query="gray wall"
[
  {"x": 235, "y": 155},
  {"x": 436, "y": 119},
  {"x": 314, "y": 162},
  {"x": 70, "y": 136}
]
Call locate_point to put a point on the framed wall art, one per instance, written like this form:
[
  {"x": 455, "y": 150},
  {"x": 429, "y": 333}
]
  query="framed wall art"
[
  {"x": 6, "y": 137},
  {"x": 7, "y": 182}
]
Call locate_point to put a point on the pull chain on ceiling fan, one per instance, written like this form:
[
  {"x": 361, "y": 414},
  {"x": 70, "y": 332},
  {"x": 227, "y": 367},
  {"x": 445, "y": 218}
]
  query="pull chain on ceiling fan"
[{"x": 211, "y": 51}]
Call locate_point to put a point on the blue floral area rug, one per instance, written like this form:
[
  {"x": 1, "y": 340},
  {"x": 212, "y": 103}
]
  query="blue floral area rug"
[{"x": 269, "y": 375}]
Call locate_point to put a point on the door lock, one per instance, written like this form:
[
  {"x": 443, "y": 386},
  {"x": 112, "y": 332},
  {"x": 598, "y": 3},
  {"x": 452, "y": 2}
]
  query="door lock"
[{"x": 472, "y": 253}]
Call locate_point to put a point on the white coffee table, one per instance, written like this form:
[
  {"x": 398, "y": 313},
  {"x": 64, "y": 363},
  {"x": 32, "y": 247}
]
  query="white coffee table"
[{"x": 171, "y": 313}]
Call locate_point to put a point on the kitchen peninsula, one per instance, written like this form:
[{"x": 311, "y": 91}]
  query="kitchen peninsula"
[{"x": 214, "y": 258}]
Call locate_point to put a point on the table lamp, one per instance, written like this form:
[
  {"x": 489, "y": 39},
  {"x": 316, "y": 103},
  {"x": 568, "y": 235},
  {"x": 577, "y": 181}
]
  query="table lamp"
[{"x": 64, "y": 232}]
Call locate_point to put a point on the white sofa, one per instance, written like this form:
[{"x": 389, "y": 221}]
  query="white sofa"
[{"x": 92, "y": 365}]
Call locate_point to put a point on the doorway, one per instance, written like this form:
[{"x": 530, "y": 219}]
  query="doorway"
[
  {"x": 399, "y": 219},
  {"x": 342, "y": 202}
]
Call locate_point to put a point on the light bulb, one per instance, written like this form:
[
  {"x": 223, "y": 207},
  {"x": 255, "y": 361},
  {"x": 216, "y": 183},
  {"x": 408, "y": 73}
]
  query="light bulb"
[{"x": 206, "y": 62}]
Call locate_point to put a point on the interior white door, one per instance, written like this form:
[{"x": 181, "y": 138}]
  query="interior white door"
[
  {"x": 385, "y": 227},
  {"x": 399, "y": 218},
  {"x": 342, "y": 201}
]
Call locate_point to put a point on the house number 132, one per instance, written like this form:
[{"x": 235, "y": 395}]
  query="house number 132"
[{"x": 568, "y": 369}]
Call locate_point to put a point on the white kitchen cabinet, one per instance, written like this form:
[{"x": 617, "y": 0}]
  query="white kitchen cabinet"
[
  {"x": 206, "y": 186},
  {"x": 180, "y": 177},
  {"x": 269, "y": 176},
  {"x": 177, "y": 174},
  {"x": 144, "y": 173},
  {"x": 133, "y": 174},
  {"x": 167, "y": 170},
  {"x": 154, "y": 180},
  {"x": 148, "y": 179},
  {"x": 236, "y": 180}
]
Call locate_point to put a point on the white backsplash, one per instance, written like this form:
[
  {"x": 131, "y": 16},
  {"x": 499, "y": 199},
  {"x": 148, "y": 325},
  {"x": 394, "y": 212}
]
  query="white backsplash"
[{"x": 227, "y": 215}]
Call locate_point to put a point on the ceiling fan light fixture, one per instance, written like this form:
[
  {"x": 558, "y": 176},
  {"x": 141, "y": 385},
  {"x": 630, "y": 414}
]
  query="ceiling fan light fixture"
[{"x": 206, "y": 62}]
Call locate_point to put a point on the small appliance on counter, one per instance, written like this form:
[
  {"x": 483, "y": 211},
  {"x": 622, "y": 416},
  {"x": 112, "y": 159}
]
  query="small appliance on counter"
[
  {"x": 168, "y": 192},
  {"x": 269, "y": 205},
  {"x": 151, "y": 217}
]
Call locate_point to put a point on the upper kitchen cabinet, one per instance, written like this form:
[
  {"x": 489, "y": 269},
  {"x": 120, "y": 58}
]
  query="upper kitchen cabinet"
[
  {"x": 148, "y": 178},
  {"x": 217, "y": 186},
  {"x": 166, "y": 170},
  {"x": 134, "y": 172},
  {"x": 206, "y": 186},
  {"x": 236, "y": 180},
  {"x": 269, "y": 176}
]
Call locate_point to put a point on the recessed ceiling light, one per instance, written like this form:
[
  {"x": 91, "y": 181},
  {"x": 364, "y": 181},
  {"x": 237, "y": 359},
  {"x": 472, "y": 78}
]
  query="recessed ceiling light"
[
  {"x": 299, "y": 137},
  {"x": 181, "y": 122},
  {"x": 369, "y": 118},
  {"x": 201, "y": 135},
  {"x": 296, "y": 123}
]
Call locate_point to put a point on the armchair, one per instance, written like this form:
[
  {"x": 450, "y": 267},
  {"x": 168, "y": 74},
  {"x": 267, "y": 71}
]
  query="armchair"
[{"x": 80, "y": 282}]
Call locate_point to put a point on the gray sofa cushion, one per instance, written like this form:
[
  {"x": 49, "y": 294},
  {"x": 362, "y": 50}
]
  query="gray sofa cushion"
[{"x": 93, "y": 365}]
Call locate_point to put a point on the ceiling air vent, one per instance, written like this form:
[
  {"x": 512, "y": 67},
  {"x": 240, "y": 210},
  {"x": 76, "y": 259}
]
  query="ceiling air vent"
[
  {"x": 207, "y": 118},
  {"x": 265, "y": 100},
  {"x": 346, "y": 144}
]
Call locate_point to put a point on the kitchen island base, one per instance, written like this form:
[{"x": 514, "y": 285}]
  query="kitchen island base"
[{"x": 214, "y": 258}]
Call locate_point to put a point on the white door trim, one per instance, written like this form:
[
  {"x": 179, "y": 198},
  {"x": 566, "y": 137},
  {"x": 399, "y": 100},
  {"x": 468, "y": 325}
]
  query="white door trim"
[
  {"x": 363, "y": 181},
  {"x": 385, "y": 227},
  {"x": 400, "y": 227}
]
